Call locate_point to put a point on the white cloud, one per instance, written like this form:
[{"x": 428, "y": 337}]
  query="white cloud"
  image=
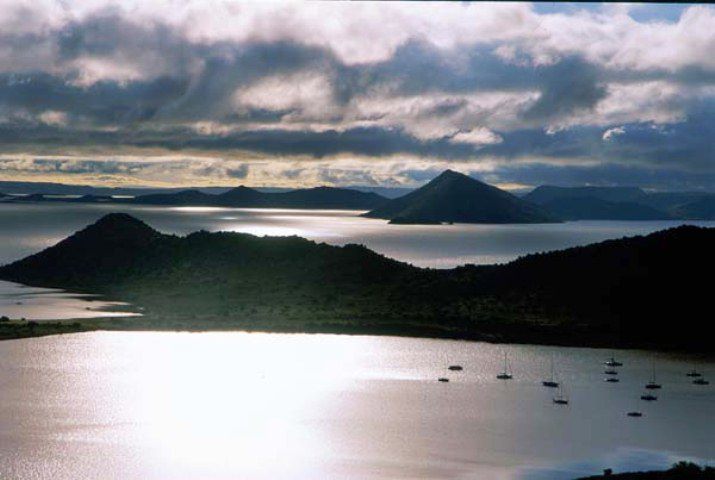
[
  {"x": 477, "y": 136},
  {"x": 612, "y": 132},
  {"x": 438, "y": 115},
  {"x": 364, "y": 32},
  {"x": 53, "y": 117},
  {"x": 306, "y": 95}
]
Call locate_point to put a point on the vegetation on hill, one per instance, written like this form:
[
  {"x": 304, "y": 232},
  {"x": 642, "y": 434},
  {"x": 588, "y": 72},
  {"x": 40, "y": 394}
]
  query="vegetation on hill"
[
  {"x": 627, "y": 292},
  {"x": 679, "y": 471}
]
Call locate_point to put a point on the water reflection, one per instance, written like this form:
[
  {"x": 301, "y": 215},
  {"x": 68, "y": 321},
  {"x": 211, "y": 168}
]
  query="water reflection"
[
  {"x": 32, "y": 303},
  {"x": 27, "y": 228},
  {"x": 237, "y": 405}
]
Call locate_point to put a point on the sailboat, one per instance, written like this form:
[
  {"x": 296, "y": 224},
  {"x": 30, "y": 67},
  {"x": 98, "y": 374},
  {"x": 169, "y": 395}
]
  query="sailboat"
[
  {"x": 693, "y": 373},
  {"x": 551, "y": 382},
  {"x": 700, "y": 381},
  {"x": 561, "y": 399},
  {"x": 653, "y": 385},
  {"x": 649, "y": 397},
  {"x": 506, "y": 374},
  {"x": 612, "y": 362}
]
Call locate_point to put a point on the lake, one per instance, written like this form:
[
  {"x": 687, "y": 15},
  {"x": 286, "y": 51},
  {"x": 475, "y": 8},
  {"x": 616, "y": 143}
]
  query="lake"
[
  {"x": 31, "y": 303},
  {"x": 26, "y": 229},
  {"x": 124, "y": 405},
  {"x": 150, "y": 405}
]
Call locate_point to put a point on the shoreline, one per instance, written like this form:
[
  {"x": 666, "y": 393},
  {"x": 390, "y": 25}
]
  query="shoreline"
[{"x": 17, "y": 329}]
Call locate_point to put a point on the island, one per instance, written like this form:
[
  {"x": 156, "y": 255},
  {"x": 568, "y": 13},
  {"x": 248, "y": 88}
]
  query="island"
[
  {"x": 646, "y": 291},
  {"x": 238, "y": 197},
  {"x": 453, "y": 197}
]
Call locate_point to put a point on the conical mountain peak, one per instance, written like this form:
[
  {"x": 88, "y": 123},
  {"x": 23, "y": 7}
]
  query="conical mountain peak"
[
  {"x": 455, "y": 197},
  {"x": 118, "y": 227}
]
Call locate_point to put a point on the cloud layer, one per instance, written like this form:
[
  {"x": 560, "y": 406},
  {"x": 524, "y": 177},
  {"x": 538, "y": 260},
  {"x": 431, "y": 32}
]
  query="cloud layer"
[{"x": 299, "y": 93}]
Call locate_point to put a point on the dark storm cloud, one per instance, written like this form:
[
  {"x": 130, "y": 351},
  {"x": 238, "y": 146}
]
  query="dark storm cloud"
[
  {"x": 209, "y": 92},
  {"x": 108, "y": 80},
  {"x": 681, "y": 146},
  {"x": 566, "y": 87},
  {"x": 104, "y": 102},
  {"x": 685, "y": 145}
]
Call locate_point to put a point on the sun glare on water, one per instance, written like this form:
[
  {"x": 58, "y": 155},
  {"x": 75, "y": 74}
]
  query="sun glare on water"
[{"x": 206, "y": 402}]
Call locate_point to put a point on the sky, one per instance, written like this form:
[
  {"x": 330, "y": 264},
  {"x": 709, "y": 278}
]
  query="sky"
[{"x": 196, "y": 93}]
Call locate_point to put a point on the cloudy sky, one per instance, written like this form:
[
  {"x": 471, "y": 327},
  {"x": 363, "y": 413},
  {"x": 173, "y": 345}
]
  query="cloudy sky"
[{"x": 220, "y": 93}]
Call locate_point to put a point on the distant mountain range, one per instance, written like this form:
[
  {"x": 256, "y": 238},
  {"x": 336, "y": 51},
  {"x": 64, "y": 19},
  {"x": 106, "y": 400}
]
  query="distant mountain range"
[
  {"x": 313, "y": 198},
  {"x": 451, "y": 197},
  {"x": 239, "y": 197},
  {"x": 642, "y": 291},
  {"x": 547, "y": 193},
  {"x": 50, "y": 188},
  {"x": 455, "y": 197},
  {"x": 622, "y": 203},
  {"x": 593, "y": 208}
]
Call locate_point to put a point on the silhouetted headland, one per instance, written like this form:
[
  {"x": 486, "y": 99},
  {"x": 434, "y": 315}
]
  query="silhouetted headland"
[
  {"x": 647, "y": 291},
  {"x": 679, "y": 471}
]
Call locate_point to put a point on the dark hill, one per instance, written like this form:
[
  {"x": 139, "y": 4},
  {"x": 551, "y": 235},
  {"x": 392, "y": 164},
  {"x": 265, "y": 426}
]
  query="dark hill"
[
  {"x": 454, "y": 197},
  {"x": 242, "y": 197},
  {"x": 669, "y": 201},
  {"x": 679, "y": 471},
  {"x": 329, "y": 197},
  {"x": 105, "y": 252},
  {"x": 701, "y": 209},
  {"x": 622, "y": 203},
  {"x": 640, "y": 291},
  {"x": 592, "y": 208},
  {"x": 211, "y": 273},
  {"x": 239, "y": 197},
  {"x": 184, "y": 197},
  {"x": 654, "y": 288},
  {"x": 245, "y": 197},
  {"x": 548, "y": 193}
]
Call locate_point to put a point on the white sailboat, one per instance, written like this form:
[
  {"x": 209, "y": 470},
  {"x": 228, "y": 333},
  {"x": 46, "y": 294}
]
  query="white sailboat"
[
  {"x": 561, "y": 398},
  {"x": 551, "y": 382},
  {"x": 653, "y": 385},
  {"x": 506, "y": 373}
]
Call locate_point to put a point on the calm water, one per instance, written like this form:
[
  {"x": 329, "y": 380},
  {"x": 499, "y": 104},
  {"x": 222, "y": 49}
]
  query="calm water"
[
  {"x": 25, "y": 229},
  {"x": 20, "y": 301},
  {"x": 259, "y": 406},
  {"x": 116, "y": 405}
]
